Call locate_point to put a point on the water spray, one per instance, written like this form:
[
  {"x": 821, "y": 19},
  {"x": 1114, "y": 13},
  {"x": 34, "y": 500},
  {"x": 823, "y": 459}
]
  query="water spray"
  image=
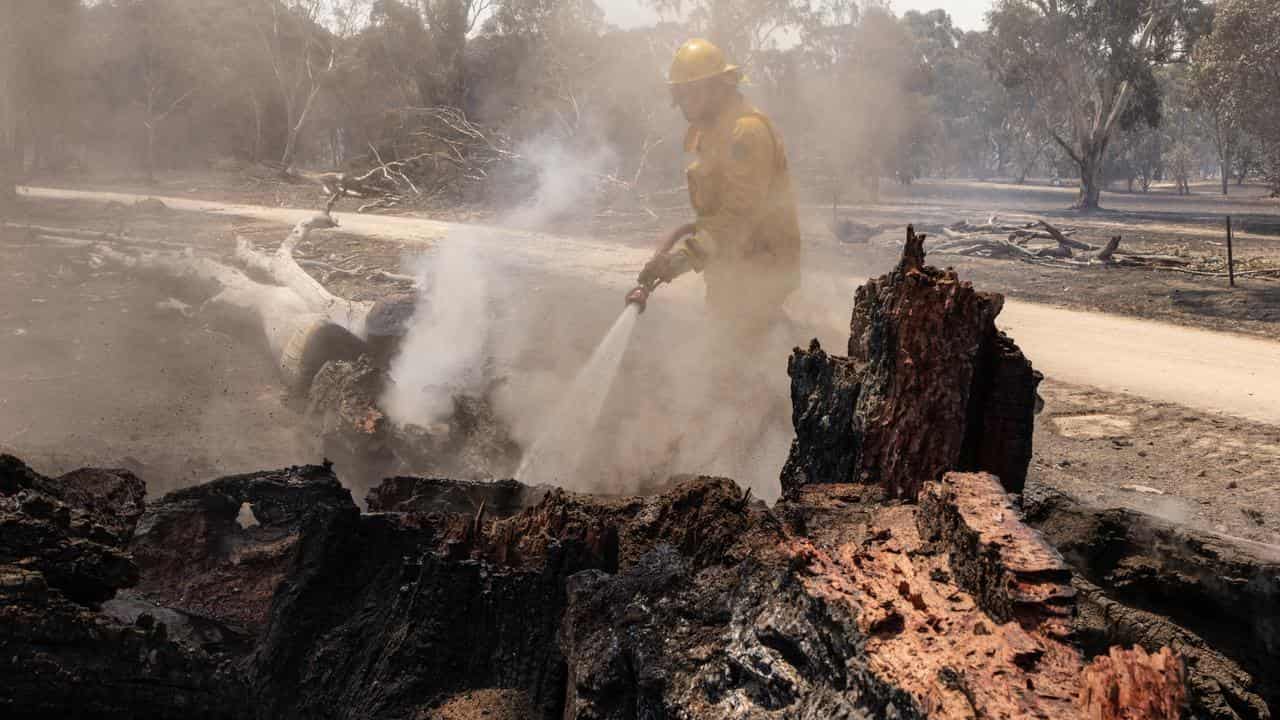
[
  {"x": 558, "y": 451},
  {"x": 555, "y": 456}
]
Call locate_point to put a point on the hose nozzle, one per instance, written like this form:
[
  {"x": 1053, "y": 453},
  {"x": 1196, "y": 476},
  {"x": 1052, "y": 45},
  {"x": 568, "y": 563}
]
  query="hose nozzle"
[{"x": 639, "y": 296}]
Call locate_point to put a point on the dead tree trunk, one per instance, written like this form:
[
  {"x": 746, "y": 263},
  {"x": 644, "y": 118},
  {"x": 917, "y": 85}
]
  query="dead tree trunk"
[
  {"x": 929, "y": 386},
  {"x": 303, "y": 324},
  {"x": 149, "y": 154}
]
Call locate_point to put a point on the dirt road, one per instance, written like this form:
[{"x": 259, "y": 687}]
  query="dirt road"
[{"x": 1216, "y": 372}]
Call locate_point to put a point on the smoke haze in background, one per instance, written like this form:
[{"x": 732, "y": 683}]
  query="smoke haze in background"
[
  {"x": 568, "y": 181},
  {"x": 968, "y": 14}
]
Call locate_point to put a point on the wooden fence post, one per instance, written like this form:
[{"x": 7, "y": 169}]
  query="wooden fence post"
[{"x": 1231, "y": 262}]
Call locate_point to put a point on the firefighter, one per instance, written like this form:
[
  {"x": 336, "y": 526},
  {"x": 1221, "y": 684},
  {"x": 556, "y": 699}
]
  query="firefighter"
[{"x": 745, "y": 239}]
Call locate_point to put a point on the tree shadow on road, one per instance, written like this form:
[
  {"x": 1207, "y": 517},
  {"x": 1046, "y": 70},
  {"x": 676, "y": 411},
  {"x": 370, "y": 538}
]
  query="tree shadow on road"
[{"x": 1258, "y": 300}]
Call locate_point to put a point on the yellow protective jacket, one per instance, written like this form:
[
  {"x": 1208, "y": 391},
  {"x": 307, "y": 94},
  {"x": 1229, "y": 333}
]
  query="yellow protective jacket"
[{"x": 747, "y": 241}]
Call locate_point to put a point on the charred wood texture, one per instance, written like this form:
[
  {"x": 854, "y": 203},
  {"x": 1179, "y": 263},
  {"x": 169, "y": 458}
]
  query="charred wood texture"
[
  {"x": 65, "y": 528},
  {"x": 1126, "y": 684},
  {"x": 196, "y": 557},
  {"x": 696, "y": 602},
  {"x": 1219, "y": 689},
  {"x": 1011, "y": 570},
  {"x": 498, "y": 498},
  {"x": 385, "y": 615},
  {"x": 929, "y": 386},
  {"x": 62, "y": 553},
  {"x": 1158, "y": 583}
]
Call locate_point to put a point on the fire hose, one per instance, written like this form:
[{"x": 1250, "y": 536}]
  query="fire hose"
[{"x": 639, "y": 295}]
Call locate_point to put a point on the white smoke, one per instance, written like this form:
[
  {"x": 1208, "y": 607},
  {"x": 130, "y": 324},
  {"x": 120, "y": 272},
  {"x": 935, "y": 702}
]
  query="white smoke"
[
  {"x": 453, "y": 332},
  {"x": 444, "y": 351},
  {"x": 568, "y": 180}
]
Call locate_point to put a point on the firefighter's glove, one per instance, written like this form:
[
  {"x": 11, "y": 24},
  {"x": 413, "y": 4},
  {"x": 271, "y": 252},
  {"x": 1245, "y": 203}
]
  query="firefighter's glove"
[{"x": 658, "y": 270}]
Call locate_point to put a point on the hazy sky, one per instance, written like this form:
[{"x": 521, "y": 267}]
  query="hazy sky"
[{"x": 966, "y": 13}]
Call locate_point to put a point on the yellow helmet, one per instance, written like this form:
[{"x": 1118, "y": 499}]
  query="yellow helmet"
[{"x": 699, "y": 59}]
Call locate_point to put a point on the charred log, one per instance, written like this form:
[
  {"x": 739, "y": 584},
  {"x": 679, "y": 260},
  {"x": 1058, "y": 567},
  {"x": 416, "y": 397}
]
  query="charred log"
[
  {"x": 1132, "y": 684},
  {"x": 199, "y": 555},
  {"x": 695, "y": 601},
  {"x": 1011, "y": 570},
  {"x": 61, "y": 554},
  {"x": 1219, "y": 689},
  {"x": 63, "y": 528},
  {"x": 1222, "y": 590},
  {"x": 344, "y": 407},
  {"x": 411, "y": 609},
  {"x": 929, "y": 386},
  {"x": 499, "y": 498}
]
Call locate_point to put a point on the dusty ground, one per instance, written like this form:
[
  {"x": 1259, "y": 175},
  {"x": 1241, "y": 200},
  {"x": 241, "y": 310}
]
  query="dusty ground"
[
  {"x": 1215, "y": 472},
  {"x": 97, "y": 370}
]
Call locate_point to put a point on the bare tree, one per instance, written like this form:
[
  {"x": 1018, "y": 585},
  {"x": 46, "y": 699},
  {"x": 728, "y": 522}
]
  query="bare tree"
[
  {"x": 303, "y": 57},
  {"x": 10, "y": 106},
  {"x": 1224, "y": 134},
  {"x": 168, "y": 80},
  {"x": 1219, "y": 115}
]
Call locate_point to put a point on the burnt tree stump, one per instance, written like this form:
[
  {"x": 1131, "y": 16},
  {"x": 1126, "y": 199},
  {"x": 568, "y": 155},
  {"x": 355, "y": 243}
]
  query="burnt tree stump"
[{"x": 929, "y": 386}]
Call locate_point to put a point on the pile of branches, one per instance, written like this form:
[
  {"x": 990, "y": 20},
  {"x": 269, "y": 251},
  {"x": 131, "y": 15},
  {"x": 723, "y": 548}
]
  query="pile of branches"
[
  {"x": 1043, "y": 244},
  {"x": 441, "y": 155},
  {"x": 437, "y": 155},
  {"x": 1026, "y": 241}
]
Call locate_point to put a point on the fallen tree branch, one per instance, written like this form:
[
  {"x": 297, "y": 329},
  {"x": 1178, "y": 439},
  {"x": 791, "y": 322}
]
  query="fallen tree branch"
[
  {"x": 282, "y": 268},
  {"x": 299, "y": 338},
  {"x": 1106, "y": 253},
  {"x": 1063, "y": 240},
  {"x": 79, "y": 234}
]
